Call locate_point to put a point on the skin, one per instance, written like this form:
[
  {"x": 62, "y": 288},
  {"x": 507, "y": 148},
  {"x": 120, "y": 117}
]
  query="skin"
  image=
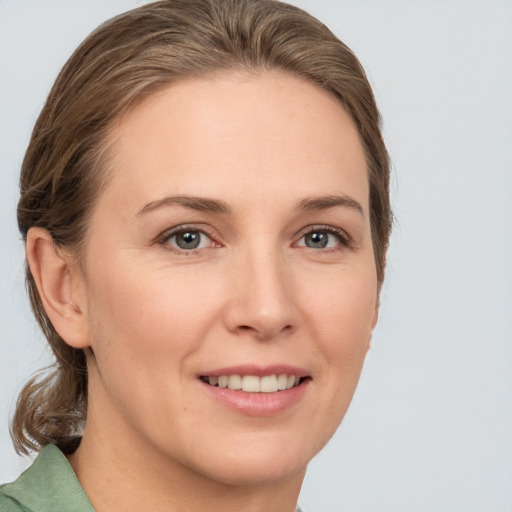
[{"x": 152, "y": 316}]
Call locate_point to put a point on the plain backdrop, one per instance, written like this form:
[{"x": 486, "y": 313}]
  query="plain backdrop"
[{"x": 430, "y": 427}]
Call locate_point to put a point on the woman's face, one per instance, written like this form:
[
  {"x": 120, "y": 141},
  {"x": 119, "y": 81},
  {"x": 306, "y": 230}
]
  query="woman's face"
[{"x": 230, "y": 247}]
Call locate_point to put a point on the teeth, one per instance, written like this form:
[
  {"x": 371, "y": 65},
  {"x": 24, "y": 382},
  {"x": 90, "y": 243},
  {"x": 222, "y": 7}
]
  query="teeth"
[
  {"x": 235, "y": 382},
  {"x": 282, "y": 381},
  {"x": 268, "y": 384},
  {"x": 253, "y": 383}
]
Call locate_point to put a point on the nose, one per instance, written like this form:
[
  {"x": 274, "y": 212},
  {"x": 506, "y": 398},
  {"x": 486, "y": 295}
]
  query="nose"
[{"x": 261, "y": 299}]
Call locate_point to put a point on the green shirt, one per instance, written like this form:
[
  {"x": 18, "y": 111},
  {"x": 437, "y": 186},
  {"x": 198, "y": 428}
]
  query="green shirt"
[{"x": 49, "y": 485}]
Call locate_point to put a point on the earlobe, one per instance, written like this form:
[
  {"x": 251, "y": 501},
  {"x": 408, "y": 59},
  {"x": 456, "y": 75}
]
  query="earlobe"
[{"x": 56, "y": 281}]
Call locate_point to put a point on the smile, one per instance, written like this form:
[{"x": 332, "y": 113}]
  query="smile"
[{"x": 253, "y": 383}]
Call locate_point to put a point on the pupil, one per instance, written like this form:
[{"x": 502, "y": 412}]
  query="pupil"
[
  {"x": 188, "y": 240},
  {"x": 316, "y": 240}
]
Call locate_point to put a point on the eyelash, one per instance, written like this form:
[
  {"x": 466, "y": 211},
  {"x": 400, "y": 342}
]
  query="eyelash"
[
  {"x": 165, "y": 238},
  {"x": 344, "y": 241}
]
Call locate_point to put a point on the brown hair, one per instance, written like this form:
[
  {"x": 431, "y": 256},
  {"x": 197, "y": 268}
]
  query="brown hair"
[{"x": 124, "y": 60}]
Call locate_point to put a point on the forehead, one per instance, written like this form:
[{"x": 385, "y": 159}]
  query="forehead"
[{"x": 255, "y": 130}]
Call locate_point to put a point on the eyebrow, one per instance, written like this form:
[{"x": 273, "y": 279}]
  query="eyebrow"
[
  {"x": 330, "y": 201},
  {"x": 201, "y": 204}
]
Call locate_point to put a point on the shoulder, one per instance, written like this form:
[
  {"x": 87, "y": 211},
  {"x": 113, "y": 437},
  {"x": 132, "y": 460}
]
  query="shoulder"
[
  {"x": 8, "y": 504},
  {"x": 49, "y": 485}
]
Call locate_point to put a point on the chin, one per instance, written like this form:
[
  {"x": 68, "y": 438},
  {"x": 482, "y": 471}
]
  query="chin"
[
  {"x": 242, "y": 472},
  {"x": 263, "y": 461}
]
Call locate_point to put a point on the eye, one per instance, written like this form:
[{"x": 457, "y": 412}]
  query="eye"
[
  {"x": 323, "y": 238},
  {"x": 188, "y": 239}
]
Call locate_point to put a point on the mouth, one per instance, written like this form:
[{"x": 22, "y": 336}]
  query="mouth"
[{"x": 255, "y": 384}]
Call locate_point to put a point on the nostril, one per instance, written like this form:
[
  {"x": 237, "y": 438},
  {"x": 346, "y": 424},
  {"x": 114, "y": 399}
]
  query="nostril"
[{"x": 265, "y": 332}]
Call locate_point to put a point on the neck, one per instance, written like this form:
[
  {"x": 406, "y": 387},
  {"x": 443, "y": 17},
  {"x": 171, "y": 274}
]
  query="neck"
[{"x": 128, "y": 476}]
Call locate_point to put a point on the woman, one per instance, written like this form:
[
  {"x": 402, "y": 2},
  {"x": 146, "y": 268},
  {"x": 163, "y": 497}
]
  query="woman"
[{"x": 206, "y": 213}]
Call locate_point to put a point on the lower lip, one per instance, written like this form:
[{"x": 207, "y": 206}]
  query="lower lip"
[{"x": 258, "y": 404}]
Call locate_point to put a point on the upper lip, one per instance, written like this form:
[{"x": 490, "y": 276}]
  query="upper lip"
[{"x": 259, "y": 371}]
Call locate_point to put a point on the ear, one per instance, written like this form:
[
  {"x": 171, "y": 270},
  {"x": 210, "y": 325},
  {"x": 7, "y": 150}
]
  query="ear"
[
  {"x": 376, "y": 314},
  {"x": 60, "y": 285},
  {"x": 374, "y": 323}
]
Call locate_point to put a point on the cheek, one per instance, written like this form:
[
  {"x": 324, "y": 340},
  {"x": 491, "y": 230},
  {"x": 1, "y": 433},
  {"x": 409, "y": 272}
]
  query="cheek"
[
  {"x": 343, "y": 307},
  {"x": 144, "y": 326},
  {"x": 343, "y": 317},
  {"x": 153, "y": 306}
]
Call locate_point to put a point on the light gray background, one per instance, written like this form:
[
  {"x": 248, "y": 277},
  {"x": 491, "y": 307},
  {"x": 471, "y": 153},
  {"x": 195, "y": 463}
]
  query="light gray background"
[{"x": 430, "y": 428}]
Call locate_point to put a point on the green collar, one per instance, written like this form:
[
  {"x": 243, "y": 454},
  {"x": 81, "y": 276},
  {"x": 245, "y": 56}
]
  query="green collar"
[{"x": 49, "y": 485}]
